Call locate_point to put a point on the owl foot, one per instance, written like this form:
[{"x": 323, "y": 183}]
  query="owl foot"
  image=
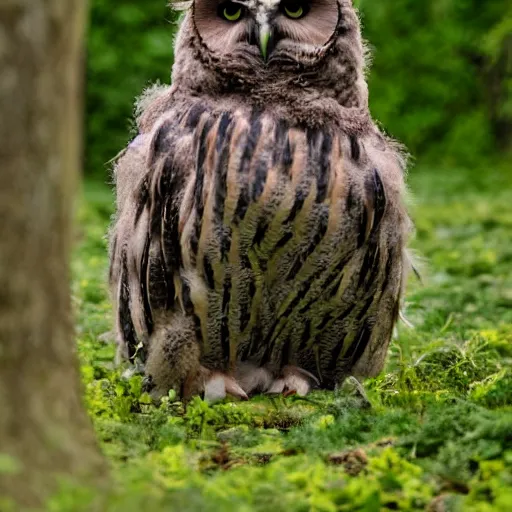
[
  {"x": 218, "y": 385},
  {"x": 293, "y": 381},
  {"x": 253, "y": 379}
]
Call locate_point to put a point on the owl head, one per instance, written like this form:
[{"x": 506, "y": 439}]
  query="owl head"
[
  {"x": 303, "y": 59},
  {"x": 267, "y": 32}
]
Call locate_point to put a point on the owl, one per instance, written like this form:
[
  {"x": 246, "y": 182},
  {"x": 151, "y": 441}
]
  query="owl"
[{"x": 259, "y": 244}]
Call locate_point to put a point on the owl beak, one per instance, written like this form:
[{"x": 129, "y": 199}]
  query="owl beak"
[{"x": 265, "y": 40}]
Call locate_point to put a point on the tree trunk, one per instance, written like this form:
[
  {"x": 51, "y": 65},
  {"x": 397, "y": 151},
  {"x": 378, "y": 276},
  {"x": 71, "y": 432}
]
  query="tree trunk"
[{"x": 44, "y": 428}]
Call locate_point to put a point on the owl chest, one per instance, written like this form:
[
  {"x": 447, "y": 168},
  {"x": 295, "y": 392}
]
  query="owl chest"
[
  {"x": 259, "y": 191},
  {"x": 269, "y": 268},
  {"x": 267, "y": 242}
]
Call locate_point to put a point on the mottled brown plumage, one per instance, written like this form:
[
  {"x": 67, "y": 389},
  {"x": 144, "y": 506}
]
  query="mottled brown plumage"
[{"x": 259, "y": 243}]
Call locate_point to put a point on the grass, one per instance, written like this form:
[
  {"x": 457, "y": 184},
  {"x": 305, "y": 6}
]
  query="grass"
[{"x": 437, "y": 437}]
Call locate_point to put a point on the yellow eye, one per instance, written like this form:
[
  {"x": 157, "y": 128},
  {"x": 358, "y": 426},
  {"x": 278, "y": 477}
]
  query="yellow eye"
[
  {"x": 294, "y": 11},
  {"x": 232, "y": 12}
]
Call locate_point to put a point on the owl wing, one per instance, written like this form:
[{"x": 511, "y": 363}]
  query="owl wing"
[
  {"x": 141, "y": 258},
  {"x": 127, "y": 243},
  {"x": 151, "y": 177}
]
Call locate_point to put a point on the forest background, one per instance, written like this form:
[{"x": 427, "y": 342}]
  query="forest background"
[{"x": 440, "y": 81}]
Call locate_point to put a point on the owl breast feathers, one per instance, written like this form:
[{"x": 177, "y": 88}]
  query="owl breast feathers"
[{"x": 253, "y": 251}]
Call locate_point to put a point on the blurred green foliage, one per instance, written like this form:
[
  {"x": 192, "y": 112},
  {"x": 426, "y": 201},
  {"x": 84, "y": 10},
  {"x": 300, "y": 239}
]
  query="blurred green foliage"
[
  {"x": 129, "y": 47},
  {"x": 441, "y": 79}
]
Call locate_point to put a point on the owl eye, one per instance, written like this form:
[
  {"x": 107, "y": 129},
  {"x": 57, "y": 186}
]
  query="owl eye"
[
  {"x": 295, "y": 9},
  {"x": 230, "y": 11}
]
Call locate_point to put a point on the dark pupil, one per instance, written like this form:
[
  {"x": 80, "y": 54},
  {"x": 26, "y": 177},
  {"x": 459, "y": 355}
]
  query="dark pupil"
[
  {"x": 230, "y": 8},
  {"x": 294, "y": 6}
]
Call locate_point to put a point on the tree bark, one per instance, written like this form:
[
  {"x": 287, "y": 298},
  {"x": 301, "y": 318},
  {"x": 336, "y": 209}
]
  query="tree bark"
[{"x": 43, "y": 425}]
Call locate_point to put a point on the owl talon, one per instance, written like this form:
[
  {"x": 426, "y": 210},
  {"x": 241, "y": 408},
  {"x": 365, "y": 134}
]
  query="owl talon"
[
  {"x": 218, "y": 386},
  {"x": 293, "y": 381}
]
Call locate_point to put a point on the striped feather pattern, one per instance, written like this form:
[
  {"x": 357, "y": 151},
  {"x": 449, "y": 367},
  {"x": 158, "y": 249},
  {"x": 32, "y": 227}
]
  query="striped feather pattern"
[{"x": 281, "y": 245}]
